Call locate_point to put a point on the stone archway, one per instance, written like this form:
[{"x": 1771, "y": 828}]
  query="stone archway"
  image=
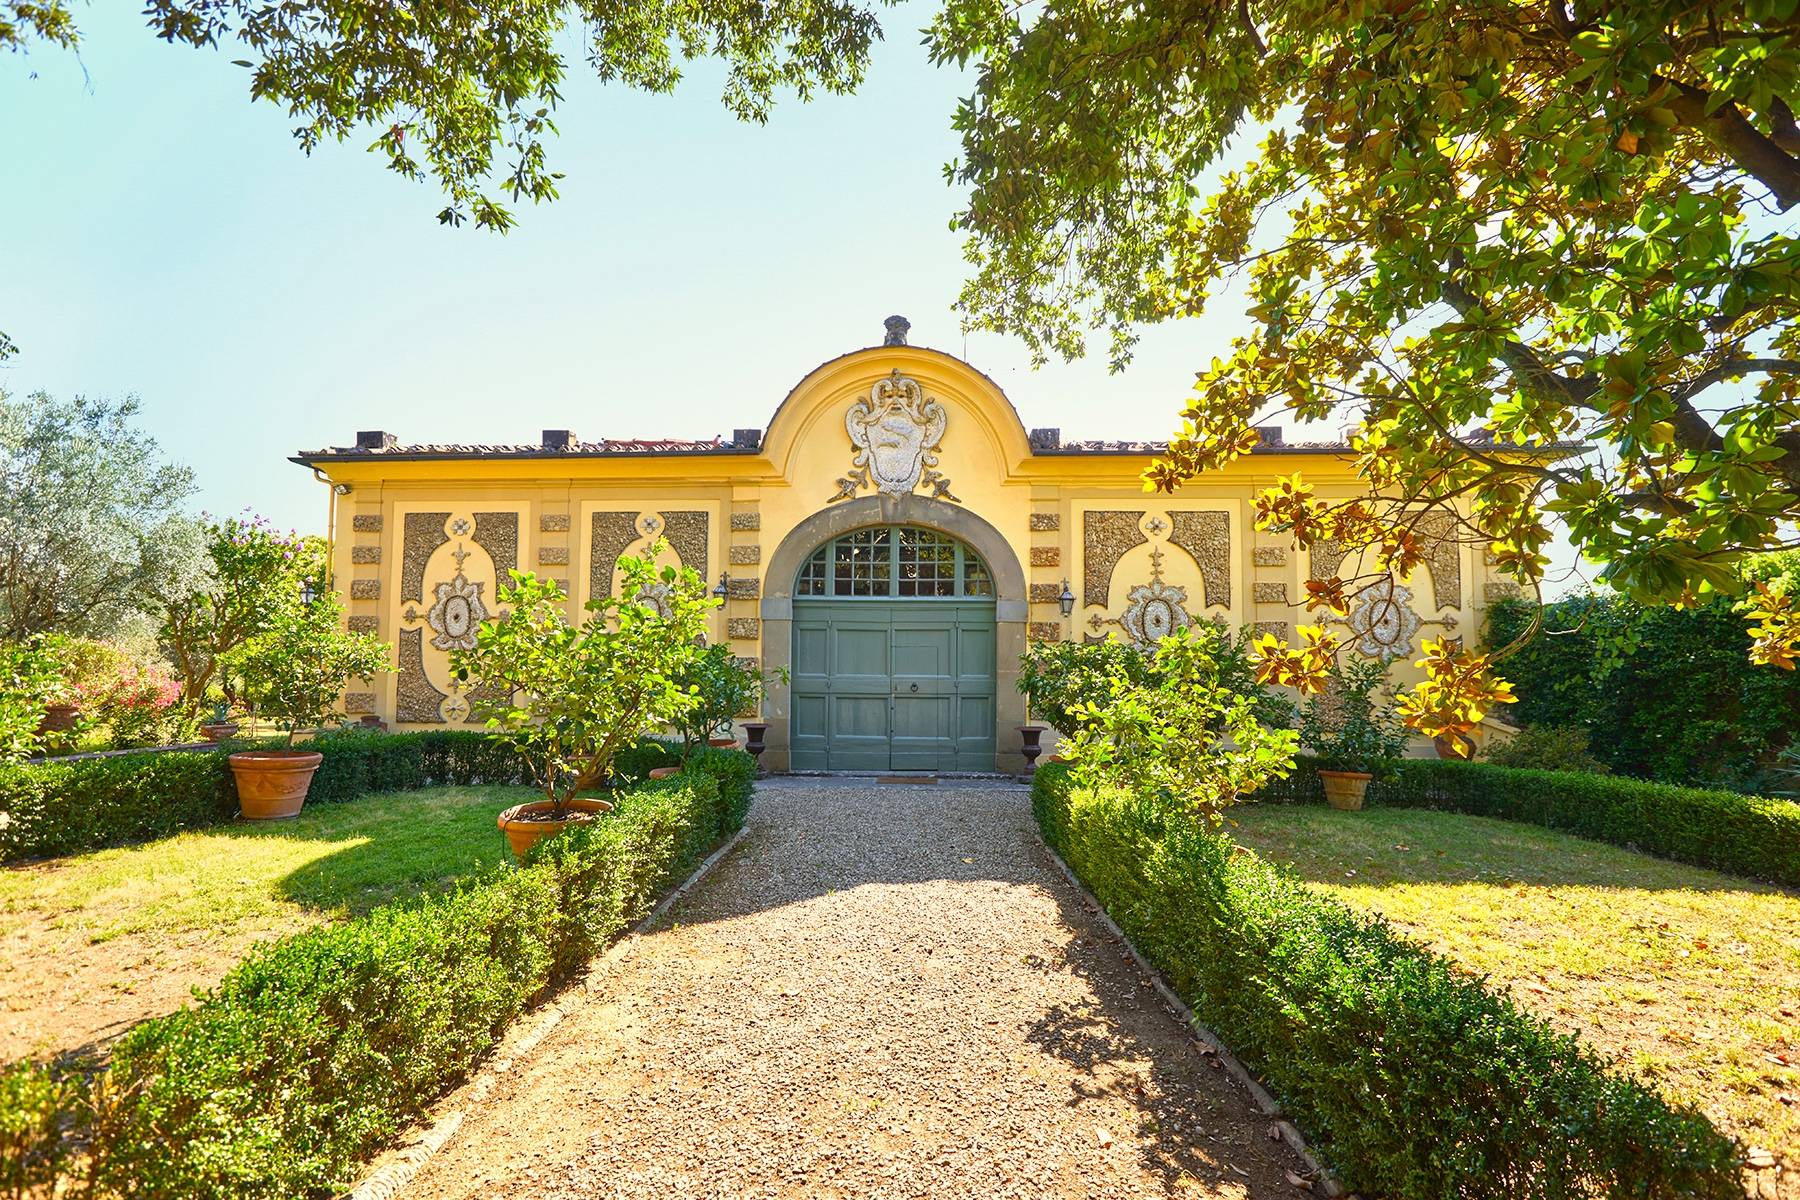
[{"x": 1010, "y": 605}]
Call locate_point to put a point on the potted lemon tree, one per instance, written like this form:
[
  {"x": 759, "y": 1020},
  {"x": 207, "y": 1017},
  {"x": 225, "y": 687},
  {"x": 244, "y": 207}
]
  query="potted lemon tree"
[
  {"x": 1351, "y": 729},
  {"x": 569, "y": 697},
  {"x": 294, "y": 672}
]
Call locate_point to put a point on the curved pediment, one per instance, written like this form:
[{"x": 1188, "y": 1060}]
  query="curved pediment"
[{"x": 895, "y": 420}]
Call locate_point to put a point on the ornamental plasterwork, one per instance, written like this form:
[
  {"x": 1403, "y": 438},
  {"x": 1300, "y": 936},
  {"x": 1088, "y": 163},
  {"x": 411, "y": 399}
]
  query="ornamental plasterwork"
[
  {"x": 657, "y": 597},
  {"x": 687, "y": 535},
  {"x": 415, "y": 699},
  {"x": 895, "y": 434},
  {"x": 498, "y": 534},
  {"x": 1206, "y": 536},
  {"x": 609, "y": 534},
  {"x": 1443, "y": 557},
  {"x": 423, "y": 534},
  {"x": 1384, "y": 622},
  {"x": 1106, "y": 537},
  {"x": 457, "y": 614},
  {"x": 1153, "y": 610}
]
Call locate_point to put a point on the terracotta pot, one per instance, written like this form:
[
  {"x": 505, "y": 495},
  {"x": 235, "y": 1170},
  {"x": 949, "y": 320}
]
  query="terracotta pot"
[
  {"x": 218, "y": 731},
  {"x": 522, "y": 835},
  {"x": 272, "y": 784},
  {"x": 726, "y": 743},
  {"x": 59, "y": 718},
  {"x": 1344, "y": 790},
  {"x": 664, "y": 772},
  {"x": 1454, "y": 746}
]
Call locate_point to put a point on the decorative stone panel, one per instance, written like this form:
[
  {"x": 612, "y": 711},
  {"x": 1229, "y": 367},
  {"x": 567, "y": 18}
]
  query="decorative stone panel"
[
  {"x": 365, "y": 625},
  {"x": 746, "y": 520},
  {"x": 365, "y": 589},
  {"x": 1206, "y": 536},
  {"x": 687, "y": 532},
  {"x": 1278, "y": 628},
  {"x": 498, "y": 534},
  {"x": 1046, "y": 593},
  {"x": 1327, "y": 556},
  {"x": 1046, "y": 556},
  {"x": 1044, "y": 631},
  {"x": 744, "y": 589},
  {"x": 366, "y": 522},
  {"x": 1443, "y": 557},
  {"x": 562, "y": 585},
  {"x": 357, "y": 704},
  {"x": 553, "y": 523},
  {"x": 365, "y": 555},
  {"x": 423, "y": 534},
  {"x": 1045, "y": 522},
  {"x": 745, "y": 555},
  {"x": 1269, "y": 556},
  {"x": 1501, "y": 589},
  {"x": 415, "y": 699},
  {"x": 553, "y": 556},
  {"x": 608, "y": 535},
  {"x": 1269, "y": 593},
  {"x": 743, "y": 628},
  {"x": 1107, "y": 536},
  {"x": 748, "y": 662}
]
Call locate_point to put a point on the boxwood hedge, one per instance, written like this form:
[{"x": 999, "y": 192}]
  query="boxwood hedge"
[
  {"x": 1758, "y": 836},
  {"x": 51, "y": 808},
  {"x": 319, "y": 1048},
  {"x": 1411, "y": 1078}
]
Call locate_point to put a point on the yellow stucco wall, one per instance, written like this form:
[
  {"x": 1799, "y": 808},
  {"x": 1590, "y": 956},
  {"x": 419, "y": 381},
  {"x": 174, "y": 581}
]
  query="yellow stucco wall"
[{"x": 1077, "y": 517}]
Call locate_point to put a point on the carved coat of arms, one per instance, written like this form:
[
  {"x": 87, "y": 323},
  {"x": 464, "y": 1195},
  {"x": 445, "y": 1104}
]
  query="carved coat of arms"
[{"x": 896, "y": 431}]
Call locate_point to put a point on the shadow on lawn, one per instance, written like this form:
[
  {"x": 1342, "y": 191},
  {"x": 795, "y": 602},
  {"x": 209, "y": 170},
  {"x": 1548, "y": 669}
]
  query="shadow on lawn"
[{"x": 1379, "y": 847}]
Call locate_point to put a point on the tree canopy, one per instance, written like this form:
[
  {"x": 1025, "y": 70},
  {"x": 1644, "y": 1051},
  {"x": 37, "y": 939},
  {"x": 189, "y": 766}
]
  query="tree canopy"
[
  {"x": 90, "y": 515},
  {"x": 1537, "y": 257}
]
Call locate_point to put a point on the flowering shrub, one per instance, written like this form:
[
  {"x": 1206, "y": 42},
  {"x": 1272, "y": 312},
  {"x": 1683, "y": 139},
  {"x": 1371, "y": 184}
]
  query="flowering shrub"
[
  {"x": 31, "y": 678},
  {"x": 135, "y": 702}
]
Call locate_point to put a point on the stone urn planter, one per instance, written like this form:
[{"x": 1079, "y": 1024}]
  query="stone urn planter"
[
  {"x": 754, "y": 733},
  {"x": 1344, "y": 790},
  {"x": 219, "y": 731},
  {"x": 272, "y": 784},
  {"x": 1031, "y": 739},
  {"x": 664, "y": 772},
  {"x": 525, "y": 825},
  {"x": 722, "y": 743}
]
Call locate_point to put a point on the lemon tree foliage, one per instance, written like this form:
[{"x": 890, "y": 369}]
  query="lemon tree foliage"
[
  {"x": 1539, "y": 257},
  {"x": 570, "y": 698}
]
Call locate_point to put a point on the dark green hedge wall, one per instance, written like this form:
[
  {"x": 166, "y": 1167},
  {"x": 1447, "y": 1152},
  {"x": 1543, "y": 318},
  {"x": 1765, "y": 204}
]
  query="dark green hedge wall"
[
  {"x": 1409, "y": 1077},
  {"x": 1758, "y": 836},
  {"x": 319, "y": 1048}
]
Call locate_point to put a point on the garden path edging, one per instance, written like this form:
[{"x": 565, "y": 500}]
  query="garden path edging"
[
  {"x": 390, "y": 1180},
  {"x": 1259, "y": 1095}
]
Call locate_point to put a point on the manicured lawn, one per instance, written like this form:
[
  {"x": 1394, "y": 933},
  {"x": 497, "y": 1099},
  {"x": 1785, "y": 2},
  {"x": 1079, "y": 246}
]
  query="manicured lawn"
[
  {"x": 93, "y": 943},
  {"x": 1689, "y": 978}
]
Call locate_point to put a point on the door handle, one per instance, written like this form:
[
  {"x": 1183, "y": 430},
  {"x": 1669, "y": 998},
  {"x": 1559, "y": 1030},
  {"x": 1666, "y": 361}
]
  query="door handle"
[{"x": 915, "y": 687}]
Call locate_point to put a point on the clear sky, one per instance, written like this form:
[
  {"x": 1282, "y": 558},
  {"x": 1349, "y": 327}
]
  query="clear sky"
[{"x": 167, "y": 238}]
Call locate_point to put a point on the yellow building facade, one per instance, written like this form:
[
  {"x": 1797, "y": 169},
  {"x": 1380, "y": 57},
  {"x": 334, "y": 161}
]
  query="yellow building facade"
[{"x": 893, "y": 539}]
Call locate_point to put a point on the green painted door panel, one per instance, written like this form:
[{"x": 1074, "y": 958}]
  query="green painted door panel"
[{"x": 903, "y": 685}]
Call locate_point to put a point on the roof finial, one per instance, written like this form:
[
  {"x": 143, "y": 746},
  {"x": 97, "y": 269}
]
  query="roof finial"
[{"x": 896, "y": 331}]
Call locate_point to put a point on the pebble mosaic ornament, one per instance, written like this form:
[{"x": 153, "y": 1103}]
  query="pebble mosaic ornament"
[
  {"x": 457, "y": 614},
  {"x": 1384, "y": 622},
  {"x": 1153, "y": 611}
]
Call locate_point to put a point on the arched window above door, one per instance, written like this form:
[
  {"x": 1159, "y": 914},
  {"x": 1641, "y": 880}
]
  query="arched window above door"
[{"x": 894, "y": 562}]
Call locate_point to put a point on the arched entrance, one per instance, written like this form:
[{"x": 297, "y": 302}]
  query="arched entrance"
[
  {"x": 893, "y": 654},
  {"x": 901, "y": 621}
]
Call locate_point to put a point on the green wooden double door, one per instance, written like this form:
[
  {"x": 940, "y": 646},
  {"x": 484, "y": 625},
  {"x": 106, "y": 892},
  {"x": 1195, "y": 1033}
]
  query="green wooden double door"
[{"x": 893, "y": 685}]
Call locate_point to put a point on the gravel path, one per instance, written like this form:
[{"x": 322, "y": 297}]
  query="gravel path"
[{"x": 884, "y": 991}]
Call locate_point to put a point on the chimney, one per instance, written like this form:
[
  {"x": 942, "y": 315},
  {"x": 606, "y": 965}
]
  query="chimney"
[
  {"x": 558, "y": 439},
  {"x": 1046, "y": 439},
  {"x": 746, "y": 439},
  {"x": 1270, "y": 435},
  {"x": 374, "y": 439},
  {"x": 896, "y": 331}
]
